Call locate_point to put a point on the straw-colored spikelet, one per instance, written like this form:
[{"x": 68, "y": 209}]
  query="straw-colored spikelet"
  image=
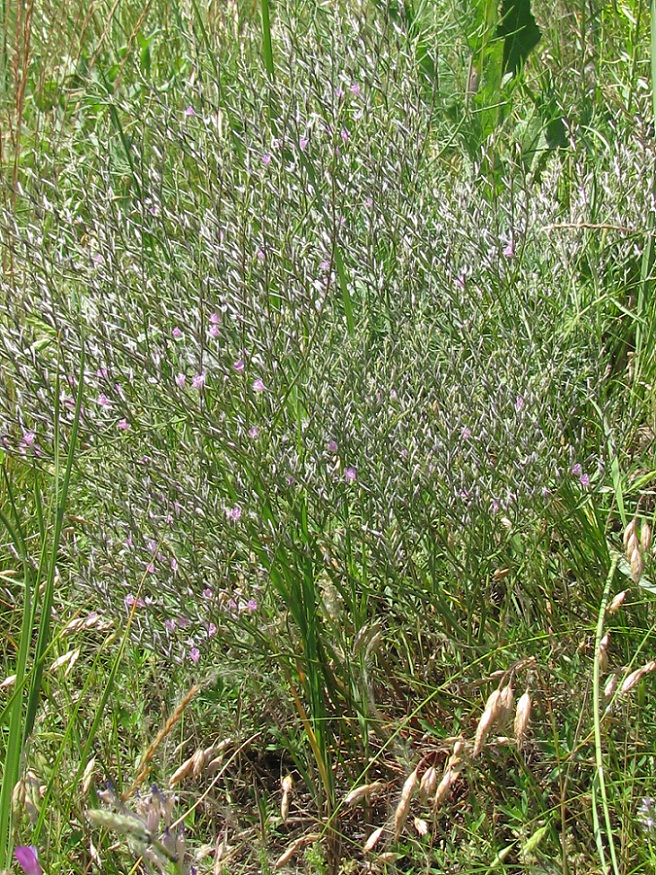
[
  {"x": 636, "y": 676},
  {"x": 629, "y": 532},
  {"x": 616, "y": 603},
  {"x": 295, "y": 846},
  {"x": 522, "y": 718},
  {"x": 487, "y": 721},
  {"x": 428, "y": 785},
  {"x": 645, "y": 537},
  {"x": 633, "y": 551},
  {"x": 610, "y": 686},
  {"x": 87, "y": 776},
  {"x": 506, "y": 702},
  {"x": 421, "y": 827},
  {"x": 443, "y": 788},
  {"x": 287, "y": 785},
  {"x": 602, "y": 652},
  {"x": 366, "y": 791},
  {"x": 373, "y": 839},
  {"x": 402, "y": 809}
]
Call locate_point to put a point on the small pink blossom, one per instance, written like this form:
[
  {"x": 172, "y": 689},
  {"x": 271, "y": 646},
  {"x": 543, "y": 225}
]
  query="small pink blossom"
[
  {"x": 251, "y": 605},
  {"x": 465, "y": 434},
  {"x": 207, "y": 593},
  {"x": 181, "y": 379},
  {"x": 150, "y": 568},
  {"x": 154, "y": 210},
  {"x": 211, "y": 630},
  {"x": 234, "y": 513},
  {"x": 177, "y": 333},
  {"x": 261, "y": 254},
  {"x": 258, "y": 385},
  {"x": 303, "y": 143},
  {"x": 174, "y": 565},
  {"x": 584, "y": 480},
  {"x": 194, "y": 654},
  {"x": 198, "y": 380},
  {"x": 332, "y": 446},
  {"x": 344, "y": 135},
  {"x": 355, "y": 89},
  {"x": 190, "y": 111},
  {"x": 519, "y": 403},
  {"x": 253, "y": 432},
  {"x": 29, "y": 438},
  {"x": 123, "y": 424},
  {"x": 103, "y": 400},
  {"x": 130, "y": 600},
  {"x": 27, "y": 858},
  {"x": 214, "y": 330},
  {"x": 577, "y": 470},
  {"x": 169, "y": 625},
  {"x": 214, "y": 318},
  {"x": 461, "y": 281},
  {"x": 368, "y": 202},
  {"x": 350, "y": 474},
  {"x": 238, "y": 365},
  {"x": 266, "y": 159},
  {"x": 183, "y": 622},
  {"x": 509, "y": 249},
  {"x": 339, "y": 92}
]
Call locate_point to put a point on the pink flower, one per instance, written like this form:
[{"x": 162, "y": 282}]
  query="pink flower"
[
  {"x": 27, "y": 858},
  {"x": 266, "y": 159},
  {"x": 350, "y": 474},
  {"x": 368, "y": 202},
  {"x": 154, "y": 210},
  {"x": 177, "y": 333},
  {"x": 584, "y": 480},
  {"x": 355, "y": 89},
  {"x": 194, "y": 654},
  {"x": 214, "y": 330},
  {"x": 215, "y": 318},
  {"x": 211, "y": 630},
  {"x": 174, "y": 565},
  {"x": 344, "y": 135},
  {"x": 234, "y": 513},
  {"x": 251, "y": 605},
  {"x": 461, "y": 281},
  {"x": 253, "y": 432},
  {"x": 303, "y": 142},
  {"x": 509, "y": 249},
  {"x": 29, "y": 438},
  {"x": 339, "y": 92},
  {"x": 150, "y": 568},
  {"x": 103, "y": 400},
  {"x": 181, "y": 379},
  {"x": 238, "y": 365},
  {"x": 190, "y": 111},
  {"x": 123, "y": 424},
  {"x": 169, "y": 625},
  {"x": 130, "y": 600},
  {"x": 207, "y": 593},
  {"x": 577, "y": 470},
  {"x": 332, "y": 446},
  {"x": 198, "y": 380},
  {"x": 261, "y": 255},
  {"x": 519, "y": 403},
  {"x": 465, "y": 434},
  {"x": 258, "y": 385}
]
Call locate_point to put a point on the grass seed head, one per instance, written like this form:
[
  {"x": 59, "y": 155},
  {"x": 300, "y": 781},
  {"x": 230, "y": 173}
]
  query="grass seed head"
[
  {"x": 428, "y": 785},
  {"x": 616, "y": 603},
  {"x": 636, "y": 676},
  {"x": 448, "y": 780},
  {"x": 629, "y": 532},
  {"x": 506, "y": 702},
  {"x": 645, "y": 537},
  {"x": 609, "y": 687},
  {"x": 402, "y": 809},
  {"x": 487, "y": 721},
  {"x": 522, "y": 718},
  {"x": 602, "y": 652},
  {"x": 373, "y": 840},
  {"x": 366, "y": 791}
]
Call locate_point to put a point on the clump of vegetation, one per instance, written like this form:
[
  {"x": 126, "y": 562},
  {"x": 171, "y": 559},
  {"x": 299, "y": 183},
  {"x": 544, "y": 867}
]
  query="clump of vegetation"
[{"x": 326, "y": 437}]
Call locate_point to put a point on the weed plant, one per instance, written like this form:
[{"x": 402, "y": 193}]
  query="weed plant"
[{"x": 354, "y": 367}]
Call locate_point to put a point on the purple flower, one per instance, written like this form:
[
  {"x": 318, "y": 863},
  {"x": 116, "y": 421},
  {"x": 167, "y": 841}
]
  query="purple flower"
[
  {"x": 181, "y": 379},
  {"x": 251, "y": 605},
  {"x": 355, "y": 89},
  {"x": 190, "y": 111},
  {"x": 465, "y": 434},
  {"x": 214, "y": 330},
  {"x": 211, "y": 630},
  {"x": 584, "y": 480},
  {"x": 461, "y": 281},
  {"x": 332, "y": 446},
  {"x": 577, "y": 470},
  {"x": 303, "y": 143},
  {"x": 509, "y": 249},
  {"x": 177, "y": 333},
  {"x": 260, "y": 254},
  {"x": 29, "y": 438},
  {"x": 207, "y": 593},
  {"x": 253, "y": 432},
  {"x": 174, "y": 565},
  {"x": 123, "y": 424},
  {"x": 234, "y": 513},
  {"x": 368, "y": 202},
  {"x": 198, "y": 380},
  {"x": 325, "y": 264},
  {"x": 519, "y": 403},
  {"x": 154, "y": 210},
  {"x": 258, "y": 385},
  {"x": 238, "y": 365},
  {"x": 27, "y": 858},
  {"x": 150, "y": 568},
  {"x": 214, "y": 318},
  {"x": 194, "y": 654},
  {"x": 103, "y": 400},
  {"x": 344, "y": 135},
  {"x": 350, "y": 474},
  {"x": 130, "y": 600},
  {"x": 266, "y": 159},
  {"x": 169, "y": 625},
  {"x": 339, "y": 92}
]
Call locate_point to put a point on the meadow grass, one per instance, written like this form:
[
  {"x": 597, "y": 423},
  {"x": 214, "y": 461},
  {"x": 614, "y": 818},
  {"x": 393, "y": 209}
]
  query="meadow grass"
[{"x": 327, "y": 421}]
